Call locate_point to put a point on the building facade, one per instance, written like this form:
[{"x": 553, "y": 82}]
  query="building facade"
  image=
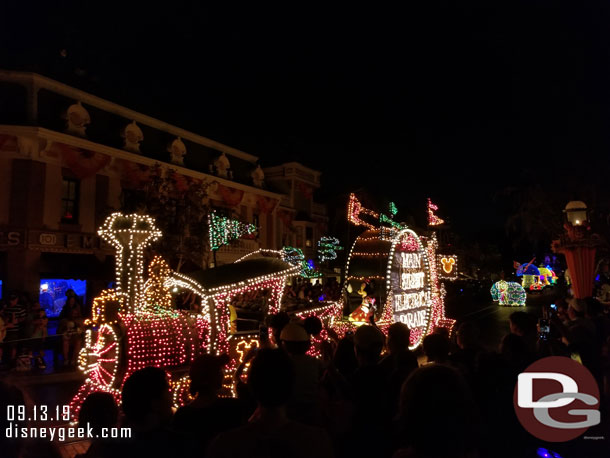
[{"x": 69, "y": 158}]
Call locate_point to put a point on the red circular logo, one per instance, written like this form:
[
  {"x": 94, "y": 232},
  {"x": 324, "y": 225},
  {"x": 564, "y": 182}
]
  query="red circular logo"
[{"x": 556, "y": 399}]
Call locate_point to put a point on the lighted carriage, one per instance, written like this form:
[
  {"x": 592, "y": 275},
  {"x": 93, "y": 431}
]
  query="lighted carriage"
[{"x": 135, "y": 325}]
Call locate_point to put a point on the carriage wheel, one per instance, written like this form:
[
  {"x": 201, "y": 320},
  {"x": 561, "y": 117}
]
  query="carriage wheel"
[{"x": 100, "y": 359}]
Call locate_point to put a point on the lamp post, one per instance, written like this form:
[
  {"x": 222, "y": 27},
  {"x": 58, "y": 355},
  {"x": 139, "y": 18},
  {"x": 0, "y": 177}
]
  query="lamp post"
[{"x": 578, "y": 245}]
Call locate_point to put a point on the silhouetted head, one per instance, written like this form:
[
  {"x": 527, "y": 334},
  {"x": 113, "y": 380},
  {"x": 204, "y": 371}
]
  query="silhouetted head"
[
  {"x": 99, "y": 410},
  {"x": 576, "y": 308},
  {"x": 277, "y": 323},
  {"x": 399, "y": 336},
  {"x": 522, "y": 324},
  {"x": 468, "y": 335},
  {"x": 271, "y": 377},
  {"x": 146, "y": 397},
  {"x": 435, "y": 401},
  {"x": 345, "y": 357},
  {"x": 206, "y": 374},
  {"x": 313, "y": 325},
  {"x": 436, "y": 347},
  {"x": 368, "y": 343}
]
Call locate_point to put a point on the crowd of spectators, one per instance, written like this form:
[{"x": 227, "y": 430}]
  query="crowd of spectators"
[
  {"x": 302, "y": 293},
  {"x": 24, "y": 332},
  {"x": 367, "y": 396}
]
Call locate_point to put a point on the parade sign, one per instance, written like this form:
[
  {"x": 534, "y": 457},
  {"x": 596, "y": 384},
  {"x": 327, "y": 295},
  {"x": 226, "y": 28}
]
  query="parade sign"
[{"x": 409, "y": 282}]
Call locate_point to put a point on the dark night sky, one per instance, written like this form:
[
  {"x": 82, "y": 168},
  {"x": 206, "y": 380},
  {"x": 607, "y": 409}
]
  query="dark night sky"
[{"x": 455, "y": 100}]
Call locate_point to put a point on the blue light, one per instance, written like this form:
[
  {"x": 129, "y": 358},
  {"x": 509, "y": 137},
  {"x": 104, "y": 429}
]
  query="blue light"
[
  {"x": 597, "y": 278},
  {"x": 461, "y": 290},
  {"x": 53, "y": 293},
  {"x": 544, "y": 453},
  {"x": 310, "y": 264}
]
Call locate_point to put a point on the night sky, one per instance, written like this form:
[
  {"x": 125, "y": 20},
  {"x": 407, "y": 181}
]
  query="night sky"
[{"x": 453, "y": 100}]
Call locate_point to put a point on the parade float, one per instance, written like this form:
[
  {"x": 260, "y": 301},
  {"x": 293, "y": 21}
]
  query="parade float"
[
  {"x": 135, "y": 324},
  {"x": 393, "y": 275},
  {"x": 508, "y": 293},
  {"x": 535, "y": 278}
]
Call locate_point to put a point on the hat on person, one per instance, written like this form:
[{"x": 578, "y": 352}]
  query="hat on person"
[
  {"x": 294, "y": 332},
  {"x": 367, "y": 336}
]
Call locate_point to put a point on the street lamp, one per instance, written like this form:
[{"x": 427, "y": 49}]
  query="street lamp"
[
  {"x": 576, "y": 213},
  {"x": 578, "y": 245}
]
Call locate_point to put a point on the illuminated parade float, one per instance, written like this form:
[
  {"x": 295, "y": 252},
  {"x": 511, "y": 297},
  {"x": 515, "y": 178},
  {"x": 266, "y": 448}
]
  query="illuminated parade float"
[
  {"x": 535, "y": 278},
  {"x": 393, "y": 274},
  {"x": 508, "y": 293},
  {"x": 135, "y": 325}
]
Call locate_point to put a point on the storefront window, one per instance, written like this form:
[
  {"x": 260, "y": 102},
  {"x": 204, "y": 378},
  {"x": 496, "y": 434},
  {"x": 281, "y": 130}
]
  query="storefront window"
[
  {"x": 53, "y": 293},
  {"x": 69, "y": 200}
]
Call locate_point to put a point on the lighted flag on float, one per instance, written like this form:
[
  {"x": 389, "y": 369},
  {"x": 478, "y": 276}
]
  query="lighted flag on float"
[
  {"x": 433, "y": 220},
  {"x": 223, "y": 230},
  {"x": 327, "y": 248},
  {"x": 355, "y": 209}
]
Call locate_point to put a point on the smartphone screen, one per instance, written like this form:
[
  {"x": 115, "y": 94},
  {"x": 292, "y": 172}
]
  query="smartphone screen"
[{"x": 545, "y": 328}]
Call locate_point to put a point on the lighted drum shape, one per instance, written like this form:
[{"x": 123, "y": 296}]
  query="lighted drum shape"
[{"x": 401, "y": 270}]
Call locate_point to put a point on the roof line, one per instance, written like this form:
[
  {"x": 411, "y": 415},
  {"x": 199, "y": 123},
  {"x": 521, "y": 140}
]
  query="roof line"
[{"x": 39, "y": 81}]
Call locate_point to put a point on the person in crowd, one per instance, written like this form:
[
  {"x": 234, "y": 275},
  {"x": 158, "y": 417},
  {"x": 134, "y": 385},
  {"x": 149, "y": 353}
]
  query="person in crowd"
[
  {"x": 580, "y": 335},
  {"x": 344, "y": 359},
  {"x": 147, "y": 406},
  {"x": 399, "y": 361},
  {"x": 436, "y": 348},
  {"x": 277, "y": 322},
  {"x": 313, "y": 325},
  {"x": 524, "y": 325},
  {"x": 370, "y": 395},
  {"x": 37, "y": 331},
  {"x": 16, "y": 314},
  {"x": 562, "y": 311},
  {"x": 270, "y": 432},
  {"x": 308, "y": 370},
  {"x": 469, "y": 348},
  {"x": 516, "y": 353},
  {"x": 437, "y": 415},
  {"x": 208, "y": 415},
  {"x": 98, "y": 411},
  {"x": 71, "y": 328}
]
